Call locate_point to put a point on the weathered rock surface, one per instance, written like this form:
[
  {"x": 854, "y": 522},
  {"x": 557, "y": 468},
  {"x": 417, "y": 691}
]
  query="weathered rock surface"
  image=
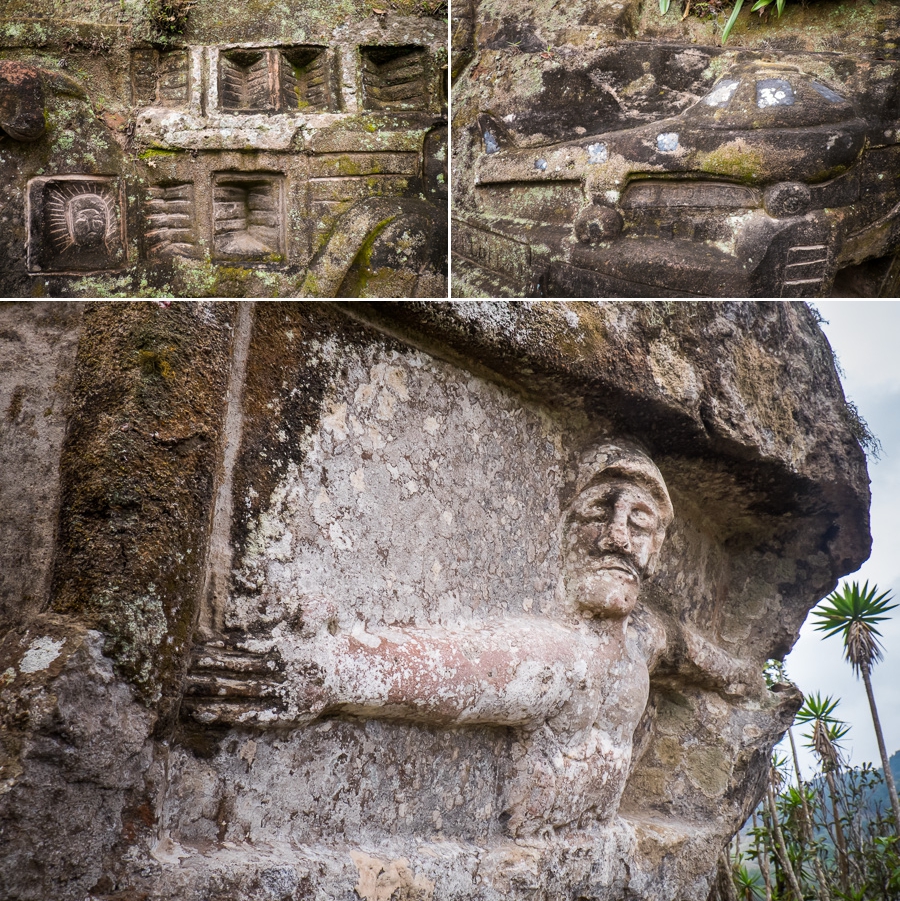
[
  {"x": 604, "y": 150},
  {"x": 403, "y": 600},
  {"x": 185, "y": 148}
]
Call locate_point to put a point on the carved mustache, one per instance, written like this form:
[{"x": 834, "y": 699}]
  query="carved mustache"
[{"x": 615, "y": 561}]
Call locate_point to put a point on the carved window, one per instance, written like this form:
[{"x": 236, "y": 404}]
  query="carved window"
[
  {"x": 805, "y": 269},
  {"x": 684, "y": 210},
  {"x": 244, "y": 81},
  {"x": 170, "y": 220},
  {"x": 159, "y": 78},
  {"x": 248, "y": 217},
  {"x": 305, "y": 79},
  {"x": 269, "y": 80},
  {"x": 395, "y": 78}
]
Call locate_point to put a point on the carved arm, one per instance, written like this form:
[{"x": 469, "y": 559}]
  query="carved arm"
[{"x": 518, "y": 672}]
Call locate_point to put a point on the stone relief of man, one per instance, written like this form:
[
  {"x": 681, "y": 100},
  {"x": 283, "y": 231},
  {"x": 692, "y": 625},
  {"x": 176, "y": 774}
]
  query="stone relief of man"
[
  {"x": 574, "y": 688},
  {"x": 86, "y": 216},
  {"x": 80, "y": 225}
]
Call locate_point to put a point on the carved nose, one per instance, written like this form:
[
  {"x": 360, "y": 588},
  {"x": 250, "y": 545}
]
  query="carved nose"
[{"x": 615, "y": 536}]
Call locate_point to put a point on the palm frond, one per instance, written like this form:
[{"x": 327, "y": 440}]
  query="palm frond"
[
  {"x": 815, "y": 707},
  {"x": 827, "y": 730},
  {"x": 854, "y": 612}
]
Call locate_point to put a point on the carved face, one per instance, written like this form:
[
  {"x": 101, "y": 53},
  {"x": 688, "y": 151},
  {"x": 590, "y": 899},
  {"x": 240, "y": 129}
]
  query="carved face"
[
  {"x": 87, "y": 215},
  {"x": 616, "y": 528}
]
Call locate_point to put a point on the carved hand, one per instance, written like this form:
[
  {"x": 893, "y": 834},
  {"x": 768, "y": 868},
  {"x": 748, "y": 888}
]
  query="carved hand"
[{"x": 272, "y": 682}]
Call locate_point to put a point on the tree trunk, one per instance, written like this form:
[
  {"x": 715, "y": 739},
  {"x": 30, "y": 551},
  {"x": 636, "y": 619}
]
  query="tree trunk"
[
  {"x": 885, "y": 760},
  {"x": 839, "y": 840},
  {"x": 823, "y": 893},
  {"x": 763, "y": 861},
  {"x": 781, "y": 846},
  {"x": 726, "y": 877}
]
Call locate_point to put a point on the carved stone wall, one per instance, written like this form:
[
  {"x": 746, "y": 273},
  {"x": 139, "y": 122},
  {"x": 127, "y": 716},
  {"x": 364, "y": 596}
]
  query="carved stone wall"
[
  {"x": 246, "y": 153},
  {"x": 604, "y": 150},
  {"x": 406, "y": 600}
]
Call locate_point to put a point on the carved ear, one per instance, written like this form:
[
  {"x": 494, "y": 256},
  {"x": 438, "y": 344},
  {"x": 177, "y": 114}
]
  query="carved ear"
[{"x": 21, "y": 101}]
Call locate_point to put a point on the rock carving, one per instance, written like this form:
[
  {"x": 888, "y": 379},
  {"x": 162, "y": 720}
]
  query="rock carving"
[
  {"x": 236, "y": 145},
  {"x": 394, "y": 78},
  {"x": 276, "y": 80},
  {"x": 325, "y": 613},
  {"x": 21, "y": 101},
  {"x": 249, "y": 220},
  {"x": 170, "y": 220},
  {"x": 575, "y": 690},
  {"x": 769, "y": 160},
  {"x": 75, "y": 224},
  {"x": 159, "y": 78}
]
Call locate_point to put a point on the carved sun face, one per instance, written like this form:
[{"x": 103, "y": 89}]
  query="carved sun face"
[
  {"x": 80, "y": 216},
  {"x": 615, "y": 532},
  {"x": 89, "y": 227}
]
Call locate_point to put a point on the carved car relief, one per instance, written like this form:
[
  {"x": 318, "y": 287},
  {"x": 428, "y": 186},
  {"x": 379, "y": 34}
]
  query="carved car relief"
[{"x": 761, "y": 188}]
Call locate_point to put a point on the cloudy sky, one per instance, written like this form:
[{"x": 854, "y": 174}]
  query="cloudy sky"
[{"x": 865, "y": 335}]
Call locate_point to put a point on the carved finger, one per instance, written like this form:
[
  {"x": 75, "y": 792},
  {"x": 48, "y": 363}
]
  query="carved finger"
[
  {"x": 219, "y": 659},
  {"x": 230, "y": 712},
  {"x": 217, "y": 686},
  {"x": 232, "y": 686}
]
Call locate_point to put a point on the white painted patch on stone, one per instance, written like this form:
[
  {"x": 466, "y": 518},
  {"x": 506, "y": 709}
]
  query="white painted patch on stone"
[
  {"x": 597, "y": 153},
  {"x": 40, "y": 654},
  {"x": 721, "y": 95},
  {"x": 667, "y": 142},
  {"x": 774, "y": 92}
]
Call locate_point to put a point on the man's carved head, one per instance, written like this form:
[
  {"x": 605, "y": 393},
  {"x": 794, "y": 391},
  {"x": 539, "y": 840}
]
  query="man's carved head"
[
  {"x": 86, "y": 215},
  {"x": 615, "y": 529}
]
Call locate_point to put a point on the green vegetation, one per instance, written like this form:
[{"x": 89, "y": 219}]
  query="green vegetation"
[
  {"x": 853, "y": 613},
  {"x": 833, "y": 838},
  {"x": 171, "y": 16},
  {"x": 763, "y": 7}
]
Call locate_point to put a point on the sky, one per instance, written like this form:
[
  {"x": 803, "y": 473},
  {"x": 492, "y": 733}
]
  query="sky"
[{"x": 865, "y": 335}]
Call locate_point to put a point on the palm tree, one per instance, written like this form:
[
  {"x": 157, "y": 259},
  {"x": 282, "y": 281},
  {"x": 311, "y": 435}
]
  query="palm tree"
[
  {"x": 824, "y": 739},
  {"x": 807, "y": 830},
  {"x": 760, "y": 853},
  {"x": 762, "y": 856},
  {"x": 854, "y": 613}
]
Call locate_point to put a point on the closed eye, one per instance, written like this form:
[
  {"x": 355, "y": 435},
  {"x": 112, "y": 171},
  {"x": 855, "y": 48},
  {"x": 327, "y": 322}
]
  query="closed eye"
[
  {"x": 642, "y": 519},
  {"x": 599, "y": 512}
]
